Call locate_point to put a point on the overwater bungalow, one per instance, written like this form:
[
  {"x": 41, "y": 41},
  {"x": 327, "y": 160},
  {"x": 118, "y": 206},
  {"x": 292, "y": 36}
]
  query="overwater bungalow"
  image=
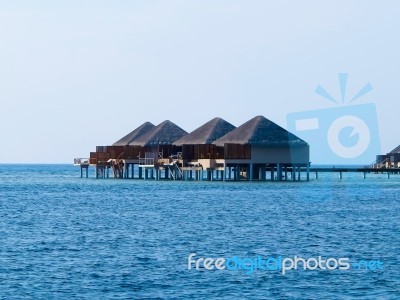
[
  {"x": 217, "y": 149},
  {"x": 389, "y": 160},
  {"x": 260, "y": 145}
]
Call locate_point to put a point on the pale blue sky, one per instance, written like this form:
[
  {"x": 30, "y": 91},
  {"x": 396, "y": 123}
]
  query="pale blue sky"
[{"x": 76, "y": 74}]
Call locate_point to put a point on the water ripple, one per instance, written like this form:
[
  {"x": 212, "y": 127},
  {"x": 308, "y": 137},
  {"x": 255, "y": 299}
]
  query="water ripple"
[{"x": 66, "y": 237}]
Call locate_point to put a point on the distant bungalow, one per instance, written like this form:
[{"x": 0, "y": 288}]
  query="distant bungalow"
[
  {"x": 249, "y": 152},
  {"x": 389, "y": 160}
]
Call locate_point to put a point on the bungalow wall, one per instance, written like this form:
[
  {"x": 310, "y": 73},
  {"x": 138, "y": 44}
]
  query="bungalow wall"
[
  {"x": 202, "y": 151},
  {"x": 166, "y": 150},
  {"x": 280, "y": 154},
  {"x": 237, "y": 151},
  {"x": 104, "y": 153},
  {"x": 394, "y": 157}
]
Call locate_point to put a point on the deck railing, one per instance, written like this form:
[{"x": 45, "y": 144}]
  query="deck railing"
[{"x": 146, "y": 161}]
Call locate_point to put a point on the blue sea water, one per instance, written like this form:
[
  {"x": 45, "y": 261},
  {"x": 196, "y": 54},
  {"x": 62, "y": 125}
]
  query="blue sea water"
[{"x": 63, "y": 237}]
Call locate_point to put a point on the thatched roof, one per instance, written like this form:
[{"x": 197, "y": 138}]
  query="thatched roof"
[
  {"x": 135, "y": 134},
  {"x": 395, "y": 150},
  {"x": 260, "y": 131},
  {"x": 207, "y": 133},
  {"x": 163, "y": 134}
]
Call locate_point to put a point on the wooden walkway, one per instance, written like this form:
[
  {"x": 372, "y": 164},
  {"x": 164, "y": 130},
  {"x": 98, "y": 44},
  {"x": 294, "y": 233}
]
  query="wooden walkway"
[{"x": 364, "y": 170}]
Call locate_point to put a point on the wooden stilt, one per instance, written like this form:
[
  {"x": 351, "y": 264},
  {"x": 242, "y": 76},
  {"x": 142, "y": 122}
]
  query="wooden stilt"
[
  {"x": 294, "y": 173},
  {"x": 279, "y": 172}
]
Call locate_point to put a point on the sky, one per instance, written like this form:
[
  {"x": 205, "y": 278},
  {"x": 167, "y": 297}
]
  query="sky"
[{"x": 77, "y": 74}]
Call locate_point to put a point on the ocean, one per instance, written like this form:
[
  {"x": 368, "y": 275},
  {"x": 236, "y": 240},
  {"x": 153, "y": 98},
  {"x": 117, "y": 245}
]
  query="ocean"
[{"x": 66, "y": 237}]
